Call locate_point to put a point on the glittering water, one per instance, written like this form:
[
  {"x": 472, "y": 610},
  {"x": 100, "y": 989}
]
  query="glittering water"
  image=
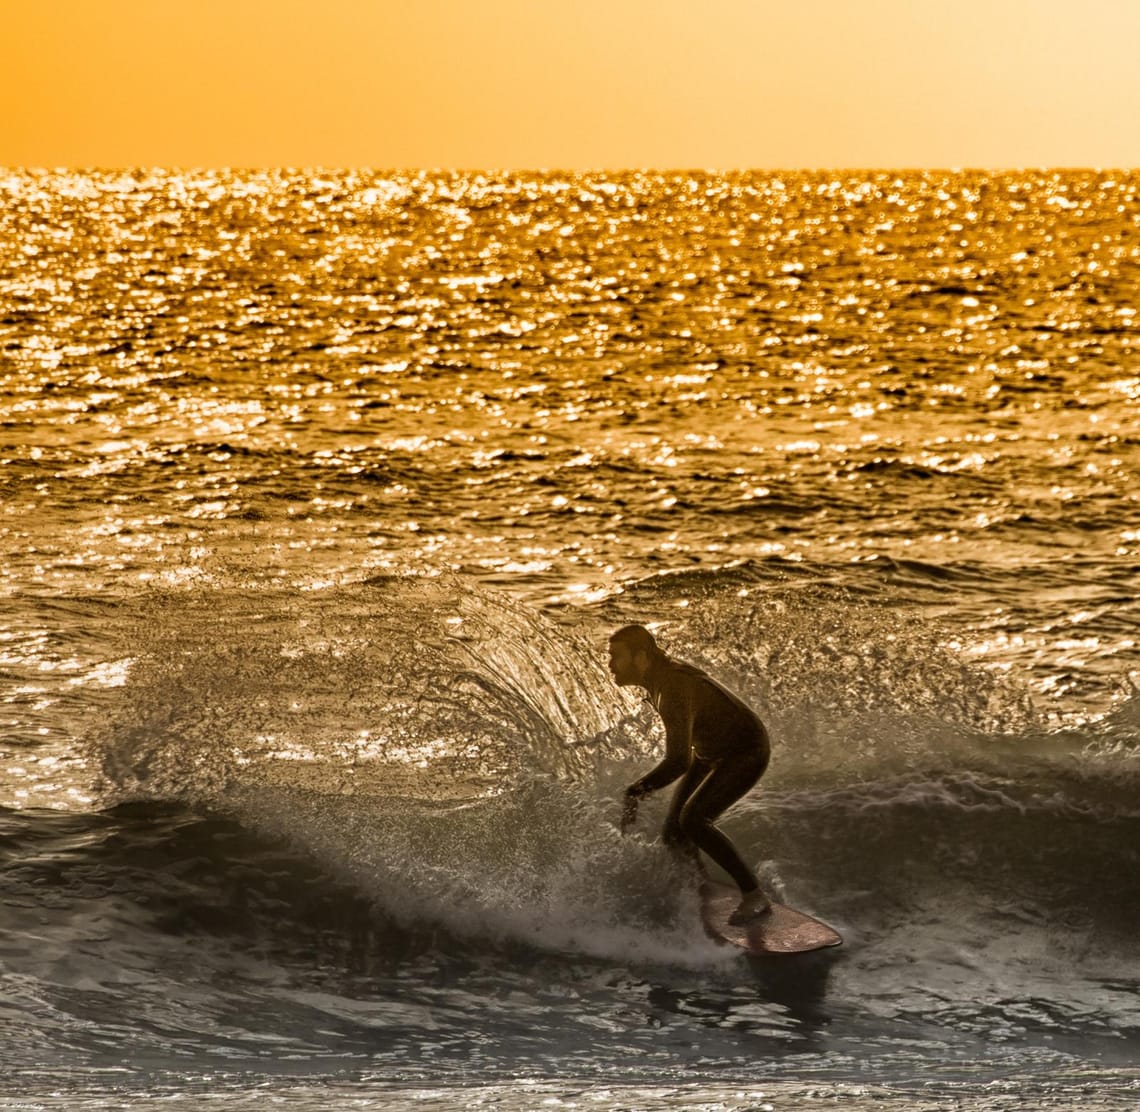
[{"x": 319, "y": 494}]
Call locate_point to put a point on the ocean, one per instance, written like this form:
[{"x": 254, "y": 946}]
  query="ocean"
[{"x": 320, "y": 495}]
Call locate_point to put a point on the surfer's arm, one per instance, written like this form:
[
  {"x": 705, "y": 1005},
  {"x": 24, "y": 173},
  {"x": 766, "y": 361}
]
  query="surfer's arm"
[
  {"x": 678, "y": 747},
  {"x": 661, "y": 776},
  {"x": 674, "y": 707},
  {"x": 656, "y": 779}
]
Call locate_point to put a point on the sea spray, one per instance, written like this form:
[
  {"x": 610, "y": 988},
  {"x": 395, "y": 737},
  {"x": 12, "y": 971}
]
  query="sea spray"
[{"x": 436, "y": 685}]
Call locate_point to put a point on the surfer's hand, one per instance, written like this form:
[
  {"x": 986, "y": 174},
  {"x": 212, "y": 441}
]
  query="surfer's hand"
[{"x": 628, "y": 811}]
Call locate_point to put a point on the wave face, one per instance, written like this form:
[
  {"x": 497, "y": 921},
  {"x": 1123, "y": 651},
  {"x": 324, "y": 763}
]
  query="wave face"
[{"x": 320, "y": 495}]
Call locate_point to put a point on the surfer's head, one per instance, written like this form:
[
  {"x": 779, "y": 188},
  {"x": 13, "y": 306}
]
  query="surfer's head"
[{"x": 632, "y": 653}]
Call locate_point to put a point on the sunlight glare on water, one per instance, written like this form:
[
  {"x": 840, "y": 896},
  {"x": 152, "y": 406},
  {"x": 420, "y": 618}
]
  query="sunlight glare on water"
[{"x": 320, "y": 495}]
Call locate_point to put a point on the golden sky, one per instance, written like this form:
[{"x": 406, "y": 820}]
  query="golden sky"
[{"x": 568, "y": 84}]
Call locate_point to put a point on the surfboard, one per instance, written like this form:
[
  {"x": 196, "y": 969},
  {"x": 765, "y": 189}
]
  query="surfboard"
[{"x": 781, "y": 930}]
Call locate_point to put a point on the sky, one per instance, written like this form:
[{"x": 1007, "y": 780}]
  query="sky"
[{"x": 570, "y": 84}]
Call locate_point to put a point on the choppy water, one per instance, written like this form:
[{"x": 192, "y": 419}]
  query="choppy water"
[{"x": 319, "y": 495}]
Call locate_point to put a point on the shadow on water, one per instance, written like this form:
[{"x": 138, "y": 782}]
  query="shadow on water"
[
  {"x": 781, "y": 1003},
  {"x": 797, "y": 982}
]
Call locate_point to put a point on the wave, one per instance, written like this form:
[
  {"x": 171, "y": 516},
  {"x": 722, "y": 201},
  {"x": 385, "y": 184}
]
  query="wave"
[
  {"x": 543, "y": 865},
  {"x": 456, "y": 760},
  {"x": 322, "y": 927}
]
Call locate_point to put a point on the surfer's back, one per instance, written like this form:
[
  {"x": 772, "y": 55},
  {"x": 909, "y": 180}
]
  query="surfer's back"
[{"x": 722, "y": 723}]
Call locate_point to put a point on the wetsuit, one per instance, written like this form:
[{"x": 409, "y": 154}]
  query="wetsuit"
[{"x": 717, "y": 746}]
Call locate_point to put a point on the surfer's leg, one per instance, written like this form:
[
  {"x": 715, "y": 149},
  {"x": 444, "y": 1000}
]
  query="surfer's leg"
[
  {"x": 722, "y": 786},
  {"x": 672, "y": 833}
]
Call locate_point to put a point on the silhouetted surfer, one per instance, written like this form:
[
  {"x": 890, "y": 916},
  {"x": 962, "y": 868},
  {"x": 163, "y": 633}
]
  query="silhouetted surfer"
[{"x": 712, "y": 740}]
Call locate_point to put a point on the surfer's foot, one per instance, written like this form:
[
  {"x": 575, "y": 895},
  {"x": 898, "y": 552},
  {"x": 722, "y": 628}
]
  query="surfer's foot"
[{"x": 752, "y": 906}]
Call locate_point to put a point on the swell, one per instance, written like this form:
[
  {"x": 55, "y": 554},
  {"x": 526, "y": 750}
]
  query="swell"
[
  {"x": 180, "y": 872},
  {"x": 291, "y": 869}
]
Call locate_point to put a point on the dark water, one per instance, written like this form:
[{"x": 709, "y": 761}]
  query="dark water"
[{"x": 319, "y": 496}]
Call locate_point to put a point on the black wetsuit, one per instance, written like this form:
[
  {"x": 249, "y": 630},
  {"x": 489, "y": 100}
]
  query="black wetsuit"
[{"x": 718, "y": 747}]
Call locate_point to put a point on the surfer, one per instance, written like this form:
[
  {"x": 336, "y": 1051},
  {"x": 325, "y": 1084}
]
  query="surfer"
[{"x": 713, "y": 742}]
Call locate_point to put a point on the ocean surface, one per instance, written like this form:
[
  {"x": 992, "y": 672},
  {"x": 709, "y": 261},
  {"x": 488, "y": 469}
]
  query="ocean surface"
[{"x": 320, "y": 494}]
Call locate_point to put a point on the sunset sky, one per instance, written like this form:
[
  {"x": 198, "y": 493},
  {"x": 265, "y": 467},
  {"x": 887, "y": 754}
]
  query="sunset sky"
[{"x": 606, "y": 84}]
